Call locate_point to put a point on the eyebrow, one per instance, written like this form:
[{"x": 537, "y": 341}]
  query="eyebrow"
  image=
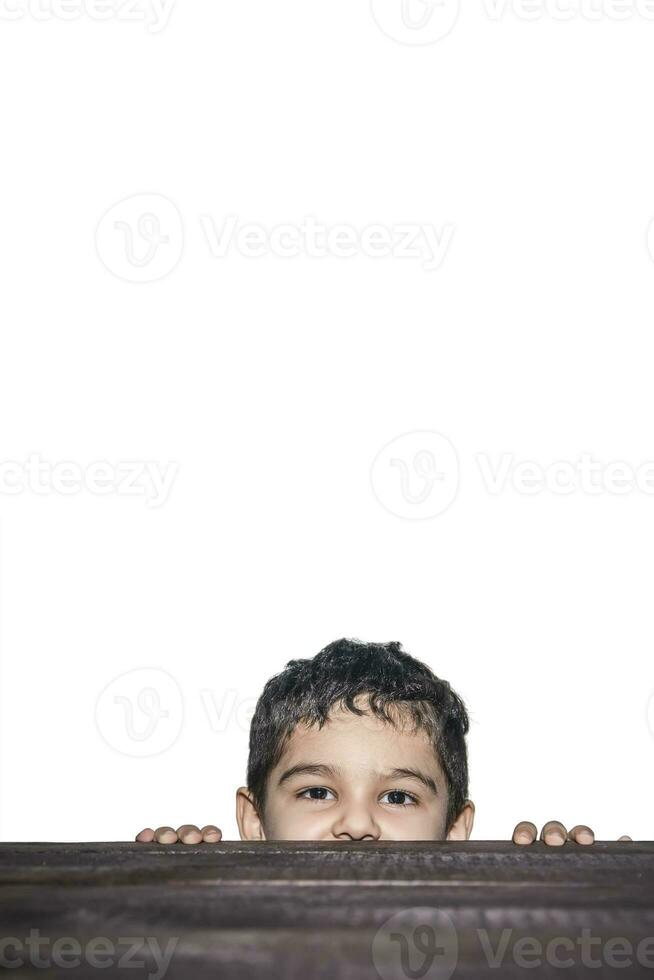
[
  {"x": 414, "y": 774},
  {"x": 309, "y": 769}
]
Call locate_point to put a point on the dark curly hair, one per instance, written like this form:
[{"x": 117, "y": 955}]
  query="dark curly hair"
[{"x": 306, "y": 691}]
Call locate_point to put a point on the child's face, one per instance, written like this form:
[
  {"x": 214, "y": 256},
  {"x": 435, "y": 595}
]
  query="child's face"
[{"x": 356, "y": 778}]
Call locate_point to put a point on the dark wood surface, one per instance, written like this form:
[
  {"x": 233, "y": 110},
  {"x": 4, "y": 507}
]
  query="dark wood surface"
[{"x": 345, "y": 911}]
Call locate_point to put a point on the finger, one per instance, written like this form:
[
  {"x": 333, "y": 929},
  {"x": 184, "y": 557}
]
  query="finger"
[
  {"x": 525, "y": 833},
  {"x": 581, "y": 835},
  {"x": 626, "y": 838},
  {"x": 188, "y": 833},
  {"x": 165, "y": 835},
  {"x": 554, "y": 833},
  {"x": 146, "y": 836},
  {"x": 211, "y": 834}
]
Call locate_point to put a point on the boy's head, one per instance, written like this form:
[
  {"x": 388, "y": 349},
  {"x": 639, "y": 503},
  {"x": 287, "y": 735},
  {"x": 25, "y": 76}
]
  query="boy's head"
[{"x": 363, "y": 742}]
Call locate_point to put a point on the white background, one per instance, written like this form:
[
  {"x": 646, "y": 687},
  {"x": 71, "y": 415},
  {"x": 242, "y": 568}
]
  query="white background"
[{"x": 272, "y": 383}]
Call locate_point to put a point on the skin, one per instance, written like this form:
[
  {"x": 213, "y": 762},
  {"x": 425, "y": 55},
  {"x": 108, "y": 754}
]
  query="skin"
[
  {"x": 348, "y": 781},
  {"x": 555, "y": 834},
  {"x": 353, "y": 767}
]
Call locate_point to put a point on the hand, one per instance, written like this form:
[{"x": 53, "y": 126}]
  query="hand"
[
  {"x": 554, "y": 834},
  {"x": 188, "y": 833}
]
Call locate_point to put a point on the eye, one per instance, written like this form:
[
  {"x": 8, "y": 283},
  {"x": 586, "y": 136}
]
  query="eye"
[
  {"x": 399, "y": 797},
  {"x": 315, "y": 793}
]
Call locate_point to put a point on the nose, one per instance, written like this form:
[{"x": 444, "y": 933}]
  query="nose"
[{"x": 356, "y": 823}]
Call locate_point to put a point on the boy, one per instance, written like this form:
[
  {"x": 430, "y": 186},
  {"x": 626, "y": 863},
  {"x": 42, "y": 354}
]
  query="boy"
[{"x": 363, "y": 742}]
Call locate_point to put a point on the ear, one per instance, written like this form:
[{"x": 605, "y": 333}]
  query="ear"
[
  {"x": 462, "y": 826},
  {"x": 250, "y": 826}
]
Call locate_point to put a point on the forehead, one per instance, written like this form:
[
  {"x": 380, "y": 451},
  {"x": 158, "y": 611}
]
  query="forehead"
[{"x": 347, "y": 739}]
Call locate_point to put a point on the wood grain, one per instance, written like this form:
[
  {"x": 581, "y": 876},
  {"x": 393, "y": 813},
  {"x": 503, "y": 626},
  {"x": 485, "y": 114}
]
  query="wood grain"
[{"x": 303, "y": 910}]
